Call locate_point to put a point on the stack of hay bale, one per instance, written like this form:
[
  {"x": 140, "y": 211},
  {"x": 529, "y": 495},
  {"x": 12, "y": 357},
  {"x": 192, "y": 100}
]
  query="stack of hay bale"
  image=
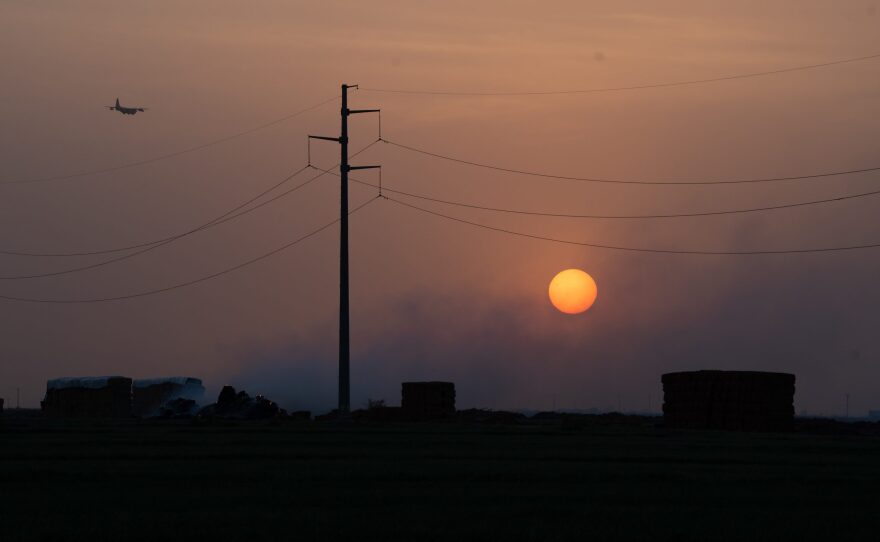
[
  {"x": 88, "y": 397},
  {"x": 729, "y": 400},
  {"x": 149, "y": 396},
  {"x": 428, "y": 400}
]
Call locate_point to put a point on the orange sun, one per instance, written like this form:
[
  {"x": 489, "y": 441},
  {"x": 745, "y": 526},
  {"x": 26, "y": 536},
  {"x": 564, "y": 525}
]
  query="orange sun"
[{"x": 572, "y": 291}]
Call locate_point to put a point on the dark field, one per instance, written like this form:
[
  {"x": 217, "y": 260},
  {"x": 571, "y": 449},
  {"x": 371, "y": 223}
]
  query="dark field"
[{"x": 312, "y": 481}]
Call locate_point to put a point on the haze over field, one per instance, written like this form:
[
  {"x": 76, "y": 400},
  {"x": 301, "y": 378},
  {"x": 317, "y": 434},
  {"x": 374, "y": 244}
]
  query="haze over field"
[{"x": 432, "y": 299}]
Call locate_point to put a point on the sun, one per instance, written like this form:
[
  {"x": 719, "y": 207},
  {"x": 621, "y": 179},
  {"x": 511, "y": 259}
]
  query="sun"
[{"x": 572, "y": 291}]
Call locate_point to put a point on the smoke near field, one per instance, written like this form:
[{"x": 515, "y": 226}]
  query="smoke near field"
[{"x": 519, "y": 353}]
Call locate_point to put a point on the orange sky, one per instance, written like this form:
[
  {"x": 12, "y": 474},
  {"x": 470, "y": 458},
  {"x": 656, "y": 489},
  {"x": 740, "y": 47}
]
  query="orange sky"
[{"x": 433, "y": 299}]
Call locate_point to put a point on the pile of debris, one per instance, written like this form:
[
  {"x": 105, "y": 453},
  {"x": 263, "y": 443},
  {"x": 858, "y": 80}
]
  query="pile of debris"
[
  {"x": 168, "y": 397},
  {"x": 179, "y": 407},
  {"x": 241, "y": 406}
]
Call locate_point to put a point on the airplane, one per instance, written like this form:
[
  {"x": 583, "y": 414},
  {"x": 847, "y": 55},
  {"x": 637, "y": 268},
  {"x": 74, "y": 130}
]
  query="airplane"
[{"x": 125, "y": 110}]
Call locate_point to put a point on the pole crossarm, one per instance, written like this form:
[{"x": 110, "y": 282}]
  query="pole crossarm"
[
  {"x": 325, "y": 138},
  {"x": 352, "y": 168},
  {"x": 356, "y": 111}
]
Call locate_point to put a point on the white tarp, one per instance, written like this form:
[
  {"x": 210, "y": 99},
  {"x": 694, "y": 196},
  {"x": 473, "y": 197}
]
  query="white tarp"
[
  {"x": 89, "y": 382},
  {"x": 179, "y": 380}
]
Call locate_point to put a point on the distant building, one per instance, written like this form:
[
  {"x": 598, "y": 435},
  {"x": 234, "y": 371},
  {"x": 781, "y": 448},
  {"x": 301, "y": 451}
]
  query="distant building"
[
  {"x": 88, "y": 397},
  {"x": 729, "y": 400},
  {"x": 427, "y": 400},
  {"x": 150, "y": 395}
]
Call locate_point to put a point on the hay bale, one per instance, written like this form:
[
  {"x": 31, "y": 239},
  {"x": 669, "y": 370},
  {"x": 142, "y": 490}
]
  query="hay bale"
[
  {"x": 729, "y": 400},
  {"x": 88, "y": 397}
]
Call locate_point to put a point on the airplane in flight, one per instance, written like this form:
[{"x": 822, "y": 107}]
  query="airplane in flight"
[{"x": 125, "y": 110}]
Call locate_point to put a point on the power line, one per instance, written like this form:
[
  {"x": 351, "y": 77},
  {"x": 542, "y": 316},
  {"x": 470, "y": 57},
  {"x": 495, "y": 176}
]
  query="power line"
[
  {"x": 191, "y": 282},
  {"x": 216, "y": 222},
  {"x": 636, "y": 182},
  {"x": 671, "y": 215},
  {"x": 634, "y": 249},
  {"x": 157, "y": 241},
  {"x": 171, "y": 154},
  {"x": 226, "y": 217},
  {"x": 633, "y": 87}
]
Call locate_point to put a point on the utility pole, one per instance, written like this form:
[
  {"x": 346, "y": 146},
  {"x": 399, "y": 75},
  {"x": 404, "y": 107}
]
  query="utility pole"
[{"x": 344, "y": 407}]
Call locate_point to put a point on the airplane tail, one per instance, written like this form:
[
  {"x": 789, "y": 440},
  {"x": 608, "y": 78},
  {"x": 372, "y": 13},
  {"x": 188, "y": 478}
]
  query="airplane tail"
[{"x": 117, "y": 102}]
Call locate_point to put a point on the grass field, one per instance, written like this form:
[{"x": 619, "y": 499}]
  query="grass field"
[{"x": 311, "y": 481}]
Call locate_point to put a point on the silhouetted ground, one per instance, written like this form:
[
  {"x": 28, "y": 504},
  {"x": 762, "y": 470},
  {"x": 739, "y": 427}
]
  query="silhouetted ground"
[{"x": 498, "y": 478}]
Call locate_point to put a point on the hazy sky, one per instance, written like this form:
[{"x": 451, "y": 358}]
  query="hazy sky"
[{"x": 433, "y": 299}]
